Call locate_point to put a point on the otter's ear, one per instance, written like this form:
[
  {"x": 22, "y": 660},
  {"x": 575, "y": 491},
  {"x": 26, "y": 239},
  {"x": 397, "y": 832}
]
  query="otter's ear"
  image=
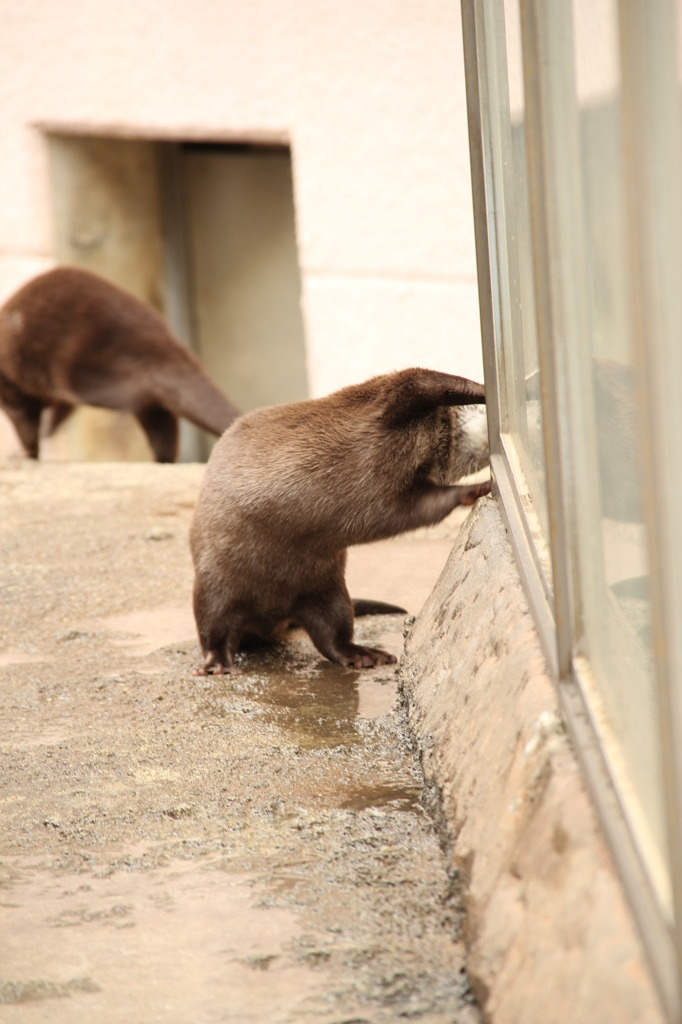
[{"x": 413, "y": 393}]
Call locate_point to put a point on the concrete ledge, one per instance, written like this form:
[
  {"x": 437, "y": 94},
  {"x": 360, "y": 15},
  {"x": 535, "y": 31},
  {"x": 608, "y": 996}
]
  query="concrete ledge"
[{"x": 550, "y": 935}]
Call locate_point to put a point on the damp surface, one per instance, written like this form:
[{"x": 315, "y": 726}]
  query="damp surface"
[
  {"x": 243, "y": 848},
  {"x": 183, "y": 940}
]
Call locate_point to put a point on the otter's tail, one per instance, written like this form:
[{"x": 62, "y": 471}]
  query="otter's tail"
[
  {"x": 193, "y": 396},
  {"x": 369, "y": 607}
]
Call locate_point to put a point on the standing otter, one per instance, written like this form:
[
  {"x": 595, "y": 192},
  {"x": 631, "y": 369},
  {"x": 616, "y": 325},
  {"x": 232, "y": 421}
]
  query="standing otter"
[
  {"x": 69, "y": 338},
  {"x": 288, "y": 488}
]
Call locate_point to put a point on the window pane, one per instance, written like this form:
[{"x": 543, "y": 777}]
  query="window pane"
[
  {"x": 616, "y": 622},
  {"x": 524, "y": 417}
]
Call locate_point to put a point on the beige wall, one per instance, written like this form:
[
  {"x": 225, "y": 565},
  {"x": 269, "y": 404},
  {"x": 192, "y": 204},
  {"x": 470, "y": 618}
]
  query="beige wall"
[{"x": 369, "y": 95}]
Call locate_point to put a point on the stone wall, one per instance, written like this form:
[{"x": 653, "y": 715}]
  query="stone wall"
[{"x": 550, "y": 934}]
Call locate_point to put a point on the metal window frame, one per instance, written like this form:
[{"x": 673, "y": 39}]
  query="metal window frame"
[{"x": 648, "y": 81}]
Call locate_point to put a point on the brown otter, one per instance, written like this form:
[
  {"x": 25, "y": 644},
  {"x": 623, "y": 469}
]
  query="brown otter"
[
  {"x": 288, "y": 488},
  {"x": 69, "y": 337}
]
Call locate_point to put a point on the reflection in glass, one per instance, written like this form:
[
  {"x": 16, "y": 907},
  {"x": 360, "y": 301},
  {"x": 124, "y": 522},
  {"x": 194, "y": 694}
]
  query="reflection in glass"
[
  {"x": 617, "y": 628},
  {"x": 526, "y": 420}
]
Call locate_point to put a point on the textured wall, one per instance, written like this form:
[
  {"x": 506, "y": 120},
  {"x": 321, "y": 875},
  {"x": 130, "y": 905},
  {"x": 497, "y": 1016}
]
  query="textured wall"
[
  {"x": 550, "y": 936},
  {"x": 369, "y": 95}
]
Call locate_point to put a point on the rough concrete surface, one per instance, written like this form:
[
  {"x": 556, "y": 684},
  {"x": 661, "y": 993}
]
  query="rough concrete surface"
[
  {"x": 174, "y": 848},
  {"x": 550, "y": 938}
]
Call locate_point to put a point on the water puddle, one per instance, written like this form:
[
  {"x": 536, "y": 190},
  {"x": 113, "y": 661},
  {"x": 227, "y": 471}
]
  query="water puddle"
[
  {"x": 290, "y": 683},
  {"x": 320, "y": 704},
  {"x": 389, "y": 796},
  {"x": 375, "y": 698},
  {"x": 178, "y": 943}
]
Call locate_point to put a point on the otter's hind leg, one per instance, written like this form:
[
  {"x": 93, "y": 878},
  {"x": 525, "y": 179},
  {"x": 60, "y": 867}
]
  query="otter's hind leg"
[
  {"x": 218, "y": 662},
  {"x": 161, "y": 428},
  {"x": 56, "y": 415},
  {"x": 24, "y": 411},
  {"x": 219, "y": 636},
  {"x": 328, "y": 619}
]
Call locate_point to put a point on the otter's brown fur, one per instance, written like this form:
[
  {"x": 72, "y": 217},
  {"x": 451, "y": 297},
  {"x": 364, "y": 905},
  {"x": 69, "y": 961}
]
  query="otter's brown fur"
[
  {"x": 288, "y": 488},
  {"x": 68, "y": 337}
]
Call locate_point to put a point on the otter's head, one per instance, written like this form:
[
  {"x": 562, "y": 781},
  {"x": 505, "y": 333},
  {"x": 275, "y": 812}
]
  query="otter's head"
[{"x": 469, "y": 450}]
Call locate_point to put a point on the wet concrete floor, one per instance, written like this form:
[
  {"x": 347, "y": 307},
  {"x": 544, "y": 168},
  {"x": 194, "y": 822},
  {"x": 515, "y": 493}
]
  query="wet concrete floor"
[{"x": 251, "y": 848}]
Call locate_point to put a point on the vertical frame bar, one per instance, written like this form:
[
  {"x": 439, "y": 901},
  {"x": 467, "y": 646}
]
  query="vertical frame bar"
[
  {"x": 546, "y": 36},
  {"x": 473, "y": 38},
  {"x": 563, "y": 307}
]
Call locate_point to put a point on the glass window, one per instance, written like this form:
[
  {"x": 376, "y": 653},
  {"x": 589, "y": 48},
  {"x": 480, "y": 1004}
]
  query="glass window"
[
  {"x": 616, "y": 633},
  {"x": 579, "y": 216},
  {"x": 523, "y": 396}
]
